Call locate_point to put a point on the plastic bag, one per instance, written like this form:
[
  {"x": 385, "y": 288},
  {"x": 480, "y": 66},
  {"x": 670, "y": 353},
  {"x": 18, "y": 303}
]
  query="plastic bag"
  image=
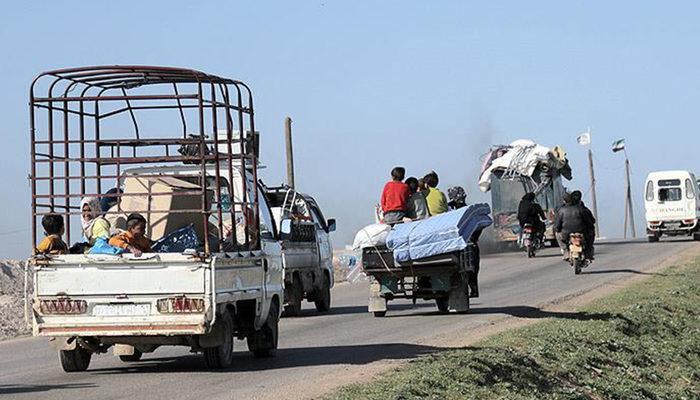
[
  {"x": 177, "y": 241},
  {"x": 102, "y": 247},
  {"x": 371, "y": 235}
]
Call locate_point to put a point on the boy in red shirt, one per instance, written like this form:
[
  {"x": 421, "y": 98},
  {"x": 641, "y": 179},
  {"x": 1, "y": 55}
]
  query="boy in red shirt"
[{"x": 395, "y": 197}]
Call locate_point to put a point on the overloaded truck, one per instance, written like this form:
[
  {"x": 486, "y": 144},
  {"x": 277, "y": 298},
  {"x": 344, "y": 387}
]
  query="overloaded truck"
[
  {"x": 511, "y": 171},
  {"x": 433, "y": 259},
  {"x": 189, "y": 166}
]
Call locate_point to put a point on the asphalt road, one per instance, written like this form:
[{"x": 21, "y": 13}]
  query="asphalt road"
[{"x": 316, "y": 350}]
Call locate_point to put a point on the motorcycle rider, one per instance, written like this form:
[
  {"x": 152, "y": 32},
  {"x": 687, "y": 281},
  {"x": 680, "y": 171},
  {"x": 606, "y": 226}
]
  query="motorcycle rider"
[
  {"x": 575, "y": 217},
  {"x": 530, "y": 212}
]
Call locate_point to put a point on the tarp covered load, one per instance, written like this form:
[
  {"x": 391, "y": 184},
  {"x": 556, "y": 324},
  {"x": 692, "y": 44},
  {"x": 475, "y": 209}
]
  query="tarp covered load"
[
  {"x": 441, "y": 234},
  {"x": 524, "y": 158}
]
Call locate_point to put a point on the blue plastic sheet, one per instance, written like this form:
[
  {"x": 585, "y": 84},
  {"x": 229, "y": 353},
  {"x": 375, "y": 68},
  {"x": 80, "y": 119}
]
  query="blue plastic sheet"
[{"x": 441, "y": 234}]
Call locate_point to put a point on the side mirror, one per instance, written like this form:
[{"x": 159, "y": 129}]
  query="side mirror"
[
  {"x": 286, "y": 227},
  {"x": 331, "y": 225}
]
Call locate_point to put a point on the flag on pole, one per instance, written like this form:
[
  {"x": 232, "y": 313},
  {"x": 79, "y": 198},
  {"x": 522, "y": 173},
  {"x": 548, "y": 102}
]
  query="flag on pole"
[
  {"x": 618, "y": 145},
  {"x": 584, "y": 139}
]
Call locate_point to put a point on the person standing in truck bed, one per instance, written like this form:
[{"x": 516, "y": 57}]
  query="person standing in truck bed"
[{"x": 394, "y": 199}]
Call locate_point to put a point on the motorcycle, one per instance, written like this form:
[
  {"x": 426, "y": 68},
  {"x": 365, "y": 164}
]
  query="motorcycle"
[
  {"x": 530, "y": 240},
  {"x": 577, "y": 256}
]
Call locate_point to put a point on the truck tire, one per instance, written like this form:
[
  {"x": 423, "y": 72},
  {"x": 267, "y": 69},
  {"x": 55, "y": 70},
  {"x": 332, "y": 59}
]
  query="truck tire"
[
  {"x": 132, "y": 358},
  {"x": 380, "y": 314},
  {"x": 263, "y": 342},
  {"x": 653, "y": 239},
  {"x": 221, "y": 356},
  {"x": 76, "y": 360},
  {"x": 323, "y": 296},
  {"x": 296, "y": 295},
  {"x": 443, "y": 304}
]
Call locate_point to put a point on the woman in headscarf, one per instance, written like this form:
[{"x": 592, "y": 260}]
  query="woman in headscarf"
[{"x": 94, "y": 224}]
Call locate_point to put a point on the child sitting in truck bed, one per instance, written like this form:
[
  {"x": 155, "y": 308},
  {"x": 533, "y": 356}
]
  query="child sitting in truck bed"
[
  {"x": 133, "y": 239},
  {"x": 54, "y": 229}
]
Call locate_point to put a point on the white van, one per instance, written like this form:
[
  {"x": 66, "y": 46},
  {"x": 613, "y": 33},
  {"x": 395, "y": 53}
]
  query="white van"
[{"x": 672, "y": 203}]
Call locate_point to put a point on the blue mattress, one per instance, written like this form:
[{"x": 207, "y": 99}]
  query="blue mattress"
[{"x": 441, "y": 234}]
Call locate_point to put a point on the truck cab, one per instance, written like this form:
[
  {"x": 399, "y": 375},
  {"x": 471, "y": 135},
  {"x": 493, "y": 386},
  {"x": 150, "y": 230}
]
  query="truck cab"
[
  {"x": 672, "y": 204},
  {"x": 214, "y": 270},
  {"x": 306, "y": 248}
]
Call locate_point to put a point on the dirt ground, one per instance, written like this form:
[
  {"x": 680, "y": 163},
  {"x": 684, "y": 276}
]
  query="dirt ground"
[{"x": 11, "y": 299}]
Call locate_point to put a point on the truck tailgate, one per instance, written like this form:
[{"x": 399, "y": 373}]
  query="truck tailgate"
[{"x": 78, "y": 275}]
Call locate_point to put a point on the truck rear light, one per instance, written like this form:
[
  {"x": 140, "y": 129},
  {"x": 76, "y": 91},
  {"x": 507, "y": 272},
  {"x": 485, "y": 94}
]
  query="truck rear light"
[
  {"x": 63, "y": 306},
  {"x": 180, "y": 305},
  {"x": 688, "y": 222}
]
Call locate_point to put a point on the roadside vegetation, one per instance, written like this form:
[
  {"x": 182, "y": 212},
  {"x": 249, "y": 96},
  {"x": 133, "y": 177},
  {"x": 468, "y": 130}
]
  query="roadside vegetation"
[{"x": 640, "y": 343}]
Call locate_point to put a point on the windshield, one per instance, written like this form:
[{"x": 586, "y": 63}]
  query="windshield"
[{"x": 506, "y": 195}]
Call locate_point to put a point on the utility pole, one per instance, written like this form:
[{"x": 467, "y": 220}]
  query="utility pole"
[
  {"x": 594, "y": 198},
  {"x": 629, "y": 210},
  {"x": 290, "y": 153}
]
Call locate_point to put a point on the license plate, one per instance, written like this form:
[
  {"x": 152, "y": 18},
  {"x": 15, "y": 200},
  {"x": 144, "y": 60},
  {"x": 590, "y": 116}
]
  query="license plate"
[{"x": 117, "y": 310}]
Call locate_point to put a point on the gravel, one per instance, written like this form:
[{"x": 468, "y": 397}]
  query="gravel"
[{"x": 12, "y": 322}]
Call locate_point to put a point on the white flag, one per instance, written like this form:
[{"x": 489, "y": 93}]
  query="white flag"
[{"x": 584, "y": 139}]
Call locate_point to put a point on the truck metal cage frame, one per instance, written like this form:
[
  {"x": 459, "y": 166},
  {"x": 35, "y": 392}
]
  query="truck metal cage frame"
[{"x": 77, "y": 150}]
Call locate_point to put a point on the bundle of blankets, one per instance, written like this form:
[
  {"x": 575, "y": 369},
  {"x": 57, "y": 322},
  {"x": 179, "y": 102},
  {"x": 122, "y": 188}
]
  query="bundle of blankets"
[{"x": 440, "y": 234}]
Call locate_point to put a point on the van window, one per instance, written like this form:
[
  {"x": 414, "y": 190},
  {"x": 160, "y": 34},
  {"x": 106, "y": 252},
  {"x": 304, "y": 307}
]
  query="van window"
[
  {"x": 689, "y": 192},
  {"x": 670, "y": 194},
  {"x": 650, "y": 191},
  {"x": 669, "y": 182}
]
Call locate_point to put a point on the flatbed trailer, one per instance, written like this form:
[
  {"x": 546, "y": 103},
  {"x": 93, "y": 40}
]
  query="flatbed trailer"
[{"x": 444, "y": 278}]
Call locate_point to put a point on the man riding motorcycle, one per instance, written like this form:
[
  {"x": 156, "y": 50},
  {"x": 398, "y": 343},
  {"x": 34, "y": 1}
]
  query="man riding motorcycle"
[
  {"x": 530, "y": 212},
  {"x": 575, "y": 217}
]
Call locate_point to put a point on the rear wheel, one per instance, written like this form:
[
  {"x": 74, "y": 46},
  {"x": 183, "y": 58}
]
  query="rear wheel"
[
  {"x": 133, "y": 357},
  {"x": 653, "y": 239},
  {"x": 221, "y": 356},
  {"x": 323, "y": 297},
  {"x": 696, "y": 236},
  {"x": 296, "y": 294},
  {"x": 76, "y": 360},
  {"x": 263, "y": 342},
  {"x": 380, "y": 314},
  {"x": 443, "y": 304},
  {"x": 530, "y": 251}
]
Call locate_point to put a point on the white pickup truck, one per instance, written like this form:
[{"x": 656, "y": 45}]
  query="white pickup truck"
[
  {"x": 90, "y": 302},
  {"x": 306, "y": 248},
  {"x": 226, "y": 285}
]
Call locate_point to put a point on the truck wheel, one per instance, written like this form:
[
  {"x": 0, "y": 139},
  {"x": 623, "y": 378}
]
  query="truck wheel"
[
  {"x": 696, "y": 236},
  {"x": 653, "y": 239},
  {"x": 323, "y": 297},
  {"x": 443, "y": 304},
  {"x": 76, "y": 360},
  {"x": 263, "y": 342},
  {"x": 296, "y": 294},
  {"x": 132, "y": 358},
  {"x": 221, "y": 356},
  {"x": 380, "y": 314}
]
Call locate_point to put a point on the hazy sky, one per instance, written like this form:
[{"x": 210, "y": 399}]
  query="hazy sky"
[{"x": 370, "y": 85}]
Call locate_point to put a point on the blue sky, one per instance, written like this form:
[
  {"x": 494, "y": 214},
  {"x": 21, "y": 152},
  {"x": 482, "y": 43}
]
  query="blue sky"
[{"x": 370, "y": 85}]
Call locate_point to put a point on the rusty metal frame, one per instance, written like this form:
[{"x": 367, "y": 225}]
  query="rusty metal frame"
[{"x": 55, "y": 163}]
